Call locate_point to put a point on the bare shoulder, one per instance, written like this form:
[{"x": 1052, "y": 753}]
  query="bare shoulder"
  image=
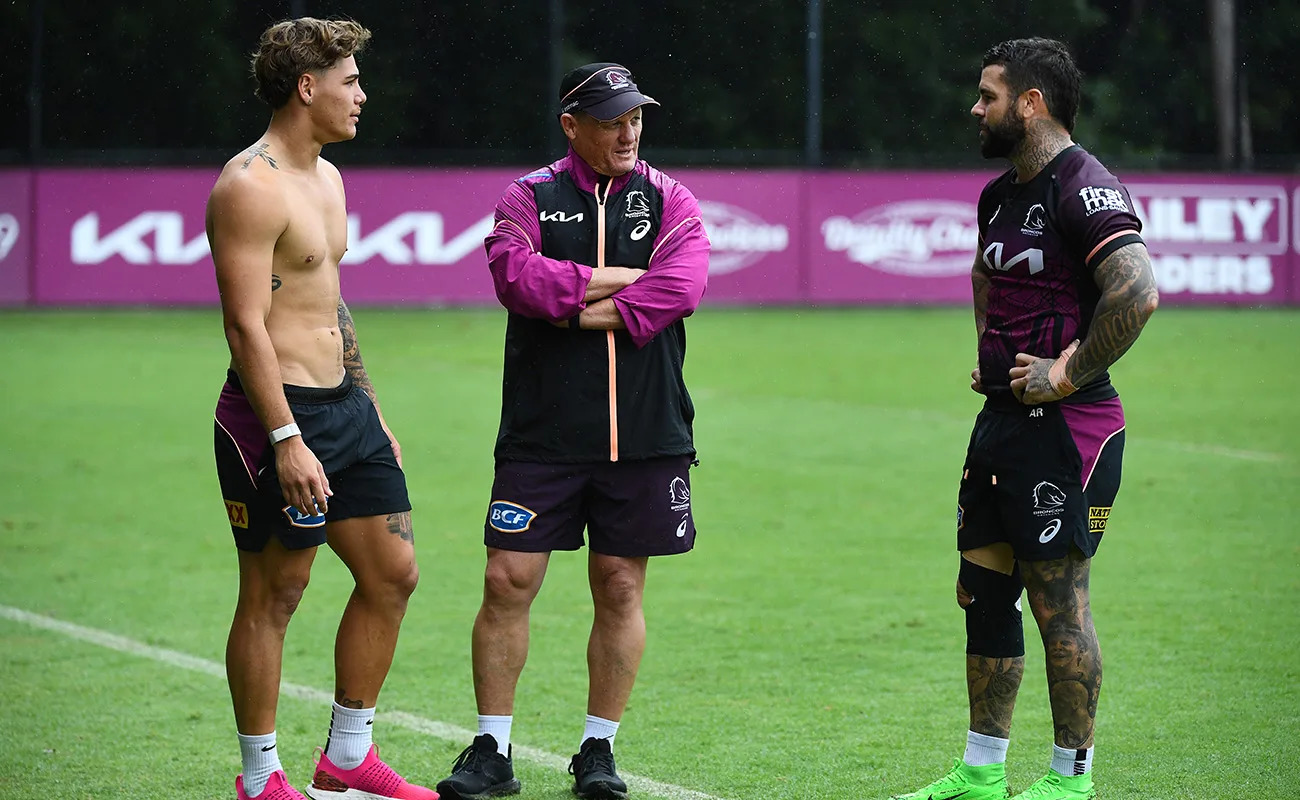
[{"x": 249, "y": 190}]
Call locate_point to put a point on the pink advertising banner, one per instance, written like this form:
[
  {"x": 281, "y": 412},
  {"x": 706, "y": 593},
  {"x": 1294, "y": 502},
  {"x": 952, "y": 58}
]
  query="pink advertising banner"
[
  {"x": 1295, "y": 244},
  {"x": 757, "y": 232},
  {"x": 1220, "y": 240},
  {"x": 123, "y": 237},
  {"x": 15, "y": 236},
  {"x": 892, "y": 237},
  {"x": 136, "y": 237}
]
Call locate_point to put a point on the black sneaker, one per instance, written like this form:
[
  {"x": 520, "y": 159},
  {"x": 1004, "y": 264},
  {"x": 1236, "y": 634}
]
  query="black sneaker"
[
  {"x": 480, "y": 772},
  {"x": 593, "y": 772}
]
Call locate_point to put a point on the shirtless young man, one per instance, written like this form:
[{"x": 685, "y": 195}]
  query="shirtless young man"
[{"x": 303, "y": 455}]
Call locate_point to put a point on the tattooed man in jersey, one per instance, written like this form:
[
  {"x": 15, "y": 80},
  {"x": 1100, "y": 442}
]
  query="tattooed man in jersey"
[{"x": 1062, "y": 288}]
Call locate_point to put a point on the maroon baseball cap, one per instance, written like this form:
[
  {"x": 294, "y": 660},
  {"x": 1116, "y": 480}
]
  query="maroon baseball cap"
[{"x": 604, "y": 90}]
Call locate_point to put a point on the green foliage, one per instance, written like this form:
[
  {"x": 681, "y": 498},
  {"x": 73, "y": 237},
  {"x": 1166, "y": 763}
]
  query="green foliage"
[
  {"x": 473, "y": 83},
  {"x": 809, "y": 647}
]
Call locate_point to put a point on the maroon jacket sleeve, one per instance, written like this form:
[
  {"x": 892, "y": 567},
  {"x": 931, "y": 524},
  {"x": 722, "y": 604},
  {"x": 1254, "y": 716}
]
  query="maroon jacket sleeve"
[
  {"x": 526, "y": 282},
  {"x": 679, "y": 268}
]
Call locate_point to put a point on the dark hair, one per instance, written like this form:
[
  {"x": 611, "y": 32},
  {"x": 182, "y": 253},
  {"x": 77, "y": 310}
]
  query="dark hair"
[
  {"x": 1045, "y": 65},
  {"x": 290, "y": 49}
]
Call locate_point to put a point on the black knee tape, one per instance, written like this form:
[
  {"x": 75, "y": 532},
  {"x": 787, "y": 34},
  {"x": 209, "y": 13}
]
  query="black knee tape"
[{"x": 994, "y": 628}]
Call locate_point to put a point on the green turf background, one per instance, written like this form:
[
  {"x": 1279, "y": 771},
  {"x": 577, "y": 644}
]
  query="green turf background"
[{"x": 810, "y": 646}]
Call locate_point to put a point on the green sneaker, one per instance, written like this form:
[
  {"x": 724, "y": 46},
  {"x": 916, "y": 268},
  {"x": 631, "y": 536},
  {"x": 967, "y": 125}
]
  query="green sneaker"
[
  {"x": 1055, "y": 786},
  {"x": 965, "y": 782}
]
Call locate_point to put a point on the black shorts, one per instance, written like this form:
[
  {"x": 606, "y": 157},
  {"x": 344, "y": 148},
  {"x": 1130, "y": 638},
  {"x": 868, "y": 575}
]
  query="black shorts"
[
  {"x": 628, "y": 508},
  {"x": 1041, "y": 478},
  {"x": 341, "y": 427}
]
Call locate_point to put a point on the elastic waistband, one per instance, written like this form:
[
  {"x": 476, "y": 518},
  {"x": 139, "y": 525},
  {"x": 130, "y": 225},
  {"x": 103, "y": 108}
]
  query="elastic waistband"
[{"x": 304, "y": 394}]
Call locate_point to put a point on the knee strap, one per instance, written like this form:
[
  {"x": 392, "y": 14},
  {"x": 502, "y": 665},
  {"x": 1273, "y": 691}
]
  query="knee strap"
[{"x": 994, "y": 627}]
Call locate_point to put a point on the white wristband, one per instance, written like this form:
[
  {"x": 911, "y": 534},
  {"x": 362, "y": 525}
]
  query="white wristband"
[{"x": 284, "y": 432}]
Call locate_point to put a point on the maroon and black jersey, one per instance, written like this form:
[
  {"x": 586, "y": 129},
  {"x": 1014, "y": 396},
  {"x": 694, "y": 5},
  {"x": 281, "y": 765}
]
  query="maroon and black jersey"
[{"x": 1040, "y": 243}]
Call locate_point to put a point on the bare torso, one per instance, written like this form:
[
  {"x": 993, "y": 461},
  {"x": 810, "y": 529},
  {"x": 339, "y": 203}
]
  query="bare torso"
[{"x": 302, "y": 320}]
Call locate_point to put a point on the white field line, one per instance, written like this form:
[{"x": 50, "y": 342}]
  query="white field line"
[{"x": 434, "y": 728}]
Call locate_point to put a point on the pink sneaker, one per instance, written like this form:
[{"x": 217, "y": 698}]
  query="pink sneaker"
[
  {"x": 372, "y": 780},
  {"x": 277, "y": 788}
]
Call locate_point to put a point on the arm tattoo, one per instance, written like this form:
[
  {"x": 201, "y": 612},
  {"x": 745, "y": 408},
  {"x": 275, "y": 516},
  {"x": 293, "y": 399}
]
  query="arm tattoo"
[
  {"x": 992, "y": 684},
  {"x": 400, "y": 525},
  {"x": 260, "y": 151},
  {"x": 352, "y": 352},
  {"x": 1128, "y": 298},
  {"x": 980, "y": 293},
  {"x": 1058, "y": 593},
  {"x": 276, "y": 283}
]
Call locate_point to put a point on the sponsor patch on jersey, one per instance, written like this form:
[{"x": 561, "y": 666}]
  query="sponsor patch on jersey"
[
  {"x": 1097, "y": 517},
  {"x": 1049, "y": 500},
  {"x": 300, "y": 520},
  {"x": 1102, "y": 198},
  {"x": 510, "y": 517},
  {"x": 237, "y": 513}
]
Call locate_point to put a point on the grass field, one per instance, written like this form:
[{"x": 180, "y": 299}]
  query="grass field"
[{"x": 810, "y": 646}]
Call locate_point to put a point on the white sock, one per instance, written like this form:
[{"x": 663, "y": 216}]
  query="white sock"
[
  {"x": 599, "y": 728},
  {"x": 1069, "y": 761},
  {"x": 350, "y": 736},
  {"x": 983, "y": 750},
  {"x": 260, "y": 760},
  {"x": 499, "y": 727}
]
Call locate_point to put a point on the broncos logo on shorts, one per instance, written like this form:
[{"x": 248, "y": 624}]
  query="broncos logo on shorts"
[{"x": 1048, "y": 497}]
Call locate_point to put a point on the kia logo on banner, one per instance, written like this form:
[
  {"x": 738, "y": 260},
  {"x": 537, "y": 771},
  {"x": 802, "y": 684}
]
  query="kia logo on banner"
[
  {"x": 918, "y": 238},
  {"x": 8, "y": 234},
  {"x": 428, "y": 245},
  {"x": 738, "y": 238},
  {"x": 128, "y": 241},
  {"x": 158, "y": 237}
]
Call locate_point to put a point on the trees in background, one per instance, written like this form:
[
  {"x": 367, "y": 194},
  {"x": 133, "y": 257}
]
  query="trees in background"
[{"x": 472, "y": 83}]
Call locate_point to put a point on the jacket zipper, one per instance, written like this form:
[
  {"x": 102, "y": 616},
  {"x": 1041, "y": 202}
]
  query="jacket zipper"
[{"x": 609, "y": 340}]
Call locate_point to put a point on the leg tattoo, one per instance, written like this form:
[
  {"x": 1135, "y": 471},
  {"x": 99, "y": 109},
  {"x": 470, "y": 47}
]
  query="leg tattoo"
[
  {"x": 1058, "y": 593},
  {"x": 992, "y": 684}
]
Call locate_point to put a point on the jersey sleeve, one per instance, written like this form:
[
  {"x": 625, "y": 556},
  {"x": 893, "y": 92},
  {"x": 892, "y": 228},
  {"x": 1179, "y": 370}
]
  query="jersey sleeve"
[
  {"x": 985, "y": 208},
  {"x": 1096, "y": 213},
  {"x": 527, "y": 282},
  {"x": 678, "y": 272}
]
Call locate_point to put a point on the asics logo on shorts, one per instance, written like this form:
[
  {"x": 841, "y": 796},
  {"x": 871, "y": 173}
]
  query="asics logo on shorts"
[
  {"x": 510, "y": 517},
  {"x": 1049, "y": 533}
]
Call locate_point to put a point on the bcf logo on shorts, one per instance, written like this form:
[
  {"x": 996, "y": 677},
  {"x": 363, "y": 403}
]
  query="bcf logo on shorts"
[{"x": 510, "y": 517}]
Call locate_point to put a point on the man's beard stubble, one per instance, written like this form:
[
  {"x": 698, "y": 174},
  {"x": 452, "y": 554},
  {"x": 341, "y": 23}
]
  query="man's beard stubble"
[{"x": 1002, "y": 140}]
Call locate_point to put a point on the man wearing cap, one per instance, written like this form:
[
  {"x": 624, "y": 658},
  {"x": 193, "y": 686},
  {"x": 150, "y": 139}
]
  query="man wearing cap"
[{"x": 598, "y": 258}]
